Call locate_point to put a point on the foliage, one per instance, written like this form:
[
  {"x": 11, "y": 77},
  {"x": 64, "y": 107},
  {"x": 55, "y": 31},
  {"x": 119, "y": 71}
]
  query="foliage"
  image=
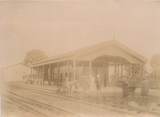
[
  {"x": 155, "y": 61},
  {"x": 34, "y": 56}
]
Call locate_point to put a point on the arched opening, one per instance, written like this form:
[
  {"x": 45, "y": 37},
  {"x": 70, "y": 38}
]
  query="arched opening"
[{"x": 108, "y": 69}]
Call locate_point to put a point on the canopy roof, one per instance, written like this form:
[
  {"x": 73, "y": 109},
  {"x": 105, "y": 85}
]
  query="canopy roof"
[{"x": 72, "y": 55}]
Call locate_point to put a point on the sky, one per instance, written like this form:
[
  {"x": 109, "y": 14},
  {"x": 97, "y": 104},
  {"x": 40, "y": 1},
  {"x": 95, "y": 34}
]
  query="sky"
[{"x": 58, "y": 26}]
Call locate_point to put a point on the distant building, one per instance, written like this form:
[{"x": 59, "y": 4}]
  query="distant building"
[
  {"x": 106, "y": 62},
  {"x": 15, "y": 72}
]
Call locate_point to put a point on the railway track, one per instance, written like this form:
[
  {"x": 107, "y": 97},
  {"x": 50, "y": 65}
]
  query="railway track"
[
  {"x": 23, "y": 107},
  {"x": 49, "y": 92},
  {"x": 36, "y": 107},
  {"x": 52, "y": 93}
]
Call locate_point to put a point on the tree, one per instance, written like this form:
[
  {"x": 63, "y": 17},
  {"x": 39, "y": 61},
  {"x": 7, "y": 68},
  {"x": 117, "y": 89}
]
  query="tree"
[
  {"x": 155, "y": 64},
  {"x": 34, "y": 56},
  {"x": 155, "y": 61}
]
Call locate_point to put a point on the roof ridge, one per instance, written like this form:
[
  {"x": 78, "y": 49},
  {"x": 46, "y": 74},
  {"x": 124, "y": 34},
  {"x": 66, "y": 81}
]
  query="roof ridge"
[{"x": 88, "y": 48}]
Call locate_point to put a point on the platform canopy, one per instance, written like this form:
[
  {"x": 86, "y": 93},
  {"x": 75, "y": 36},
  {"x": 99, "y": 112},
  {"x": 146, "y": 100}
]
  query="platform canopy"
[{"x": 112, "y": 48}]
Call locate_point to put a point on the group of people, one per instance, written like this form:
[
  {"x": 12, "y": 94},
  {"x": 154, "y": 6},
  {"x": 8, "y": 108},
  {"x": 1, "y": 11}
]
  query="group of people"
[
  {"x": 129, "y": 85},
  {"x": 66, "y": 87}
]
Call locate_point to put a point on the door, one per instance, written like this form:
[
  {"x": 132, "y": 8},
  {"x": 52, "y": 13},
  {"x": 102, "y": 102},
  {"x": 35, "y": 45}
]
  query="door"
[
  {"x": 102, "y": 72},
  {"x": 111, "y": 73}
]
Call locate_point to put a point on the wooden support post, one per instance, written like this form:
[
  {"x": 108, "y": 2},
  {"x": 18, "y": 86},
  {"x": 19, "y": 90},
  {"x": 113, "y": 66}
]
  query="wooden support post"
[
  {"x": 133, "y": 70},
  {"x": 130, "y": 69},
  {"x": 74, "y": 69},
  {"x": 90, "y": 68},
  {"x": 53, "y": 72},
  {"x": 49, "y": 74},
  {"x": 118, "y": 71},
  {"x": 108, "y": 79},
  {"x": 58, "y": 74},
  {"x": 30, "y": 78},
  {"x": 141, "y": 70},
  {"x": 33, "y": 75},
  {"x": 43, "y": 75},
  {"x": 121, "y": 70},
  {"x": 38, "y": 79},
  {"x": 115, "y": 70},
  {"x": 40, "y": 75}
]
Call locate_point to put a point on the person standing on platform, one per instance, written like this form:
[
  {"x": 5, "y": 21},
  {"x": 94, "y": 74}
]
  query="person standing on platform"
[
  {"x": 145, "y": 90},
  {"x": 145, "y": 87},
  {"x": 98, "y": 86}
]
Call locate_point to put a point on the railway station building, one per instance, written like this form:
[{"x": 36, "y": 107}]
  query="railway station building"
[{"x": 105, "y": 62}]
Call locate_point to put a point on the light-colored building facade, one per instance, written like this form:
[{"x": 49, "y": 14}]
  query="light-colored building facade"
[
  {"x": 106, "y": 63},
  {"x": 15, "y": 72}
]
